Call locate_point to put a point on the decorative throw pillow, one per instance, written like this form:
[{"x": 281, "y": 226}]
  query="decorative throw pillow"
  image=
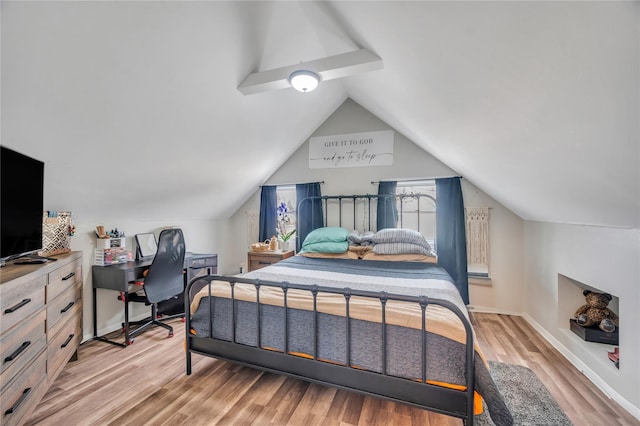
[
  {"x": 325, "y": 247},
  {"x": 397, "y": 235},
  {"x": 358, "y": 239},
  {"x": 401, "y": 248},
  {"x": 326, "y": 234}
]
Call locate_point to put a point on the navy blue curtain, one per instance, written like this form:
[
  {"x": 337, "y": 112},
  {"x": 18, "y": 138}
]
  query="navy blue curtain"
[
  {"x": 451, "y": 240},
  {"x": 309, "y": 213},
  {"x": 387, "y": 211},
  {"x": 268, "y": 212}
]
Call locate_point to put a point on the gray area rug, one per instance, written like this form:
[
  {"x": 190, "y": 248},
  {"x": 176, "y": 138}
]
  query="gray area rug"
[{"x": 526, "y": 397}]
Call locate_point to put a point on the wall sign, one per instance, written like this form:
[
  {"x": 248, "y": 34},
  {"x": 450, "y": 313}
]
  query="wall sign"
[{"x": 352, "y": 150}]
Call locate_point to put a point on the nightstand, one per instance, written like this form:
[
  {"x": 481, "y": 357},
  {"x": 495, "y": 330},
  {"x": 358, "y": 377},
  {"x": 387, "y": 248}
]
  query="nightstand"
[{"x": 260, "y": 259}]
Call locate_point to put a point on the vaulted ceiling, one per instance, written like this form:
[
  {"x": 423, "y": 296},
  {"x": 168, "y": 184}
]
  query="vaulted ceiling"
[{"x": 136, "y": 103}]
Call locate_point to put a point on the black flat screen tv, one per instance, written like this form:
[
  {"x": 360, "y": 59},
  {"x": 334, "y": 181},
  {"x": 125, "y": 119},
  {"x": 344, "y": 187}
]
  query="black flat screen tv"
[{"x": 21, "y": 203}]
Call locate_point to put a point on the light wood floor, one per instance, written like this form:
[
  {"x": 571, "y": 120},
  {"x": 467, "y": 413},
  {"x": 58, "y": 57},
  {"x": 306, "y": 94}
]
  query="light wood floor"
[{"x": 146, "y": 384}]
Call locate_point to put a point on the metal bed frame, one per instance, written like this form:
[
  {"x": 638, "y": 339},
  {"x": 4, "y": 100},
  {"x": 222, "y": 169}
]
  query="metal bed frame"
[
  {"x": 457, "y": 403},
  {"x": 366, "y": 201}
]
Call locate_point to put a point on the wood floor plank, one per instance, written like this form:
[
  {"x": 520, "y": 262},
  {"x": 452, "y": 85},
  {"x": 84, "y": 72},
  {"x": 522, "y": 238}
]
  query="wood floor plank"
[{"x": 146, "y": 384}]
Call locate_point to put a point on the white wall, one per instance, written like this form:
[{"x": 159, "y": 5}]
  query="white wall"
[
  {"x": 200, "y": 237},
  {"x": 603, "y": 258},
  {"x": 409, "y": 162},
  {"x": 506, "y": 242}
]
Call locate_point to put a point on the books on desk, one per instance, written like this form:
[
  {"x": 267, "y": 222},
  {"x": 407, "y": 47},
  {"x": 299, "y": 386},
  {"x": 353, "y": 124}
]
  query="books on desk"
[{"x": 111, "y": 256}]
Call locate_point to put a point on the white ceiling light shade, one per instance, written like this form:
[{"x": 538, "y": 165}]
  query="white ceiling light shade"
[
  {"x": 329, "y": 68},
  {"x": 304, "y": 80}
]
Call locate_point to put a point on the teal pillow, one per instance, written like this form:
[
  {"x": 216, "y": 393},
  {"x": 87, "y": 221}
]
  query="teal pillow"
[
  {"x": 331, "y": 234},
  {"x": 325, "y": 247}
]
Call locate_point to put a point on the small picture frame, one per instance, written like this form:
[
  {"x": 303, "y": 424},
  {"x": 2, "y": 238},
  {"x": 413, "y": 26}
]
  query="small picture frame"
[{"x": 146, "y": 245}]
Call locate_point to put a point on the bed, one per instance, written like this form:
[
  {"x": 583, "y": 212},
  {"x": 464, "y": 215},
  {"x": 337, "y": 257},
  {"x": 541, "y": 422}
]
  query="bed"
[{"x": 392, "y": 329}]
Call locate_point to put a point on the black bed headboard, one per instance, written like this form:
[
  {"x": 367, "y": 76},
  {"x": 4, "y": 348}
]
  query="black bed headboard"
[{"x": 358, "y": 212}]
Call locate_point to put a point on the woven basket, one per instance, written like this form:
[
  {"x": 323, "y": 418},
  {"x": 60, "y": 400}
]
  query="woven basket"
[{"x": 259, "y": 247}]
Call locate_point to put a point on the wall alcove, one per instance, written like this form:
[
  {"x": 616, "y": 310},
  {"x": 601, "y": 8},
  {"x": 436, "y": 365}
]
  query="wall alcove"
[{"x": 570, "y": 298}]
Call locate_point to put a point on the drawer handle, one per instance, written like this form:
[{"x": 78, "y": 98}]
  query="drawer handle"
[
  {"x": 262, "y": 262},
  {"x": 66, "y": 277},
  {"x": 64, "y": 345},
  {"x": 16, "y": 307},
  {"x": 17, "y": 352},
  {"x": 66, "y": 308},
  {"x": 24, "y": 395}
]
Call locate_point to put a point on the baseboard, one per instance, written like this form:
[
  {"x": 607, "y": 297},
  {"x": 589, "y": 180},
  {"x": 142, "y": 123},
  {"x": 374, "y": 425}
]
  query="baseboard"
[
  {"x": 490, "y": 310},
  {"x": 586, "y": 370},
  {"x": 110, "y": 328}
]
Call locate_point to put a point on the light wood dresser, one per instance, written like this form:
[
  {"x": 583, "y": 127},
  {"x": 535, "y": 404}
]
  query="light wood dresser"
[{"x": 41, "y": 329}]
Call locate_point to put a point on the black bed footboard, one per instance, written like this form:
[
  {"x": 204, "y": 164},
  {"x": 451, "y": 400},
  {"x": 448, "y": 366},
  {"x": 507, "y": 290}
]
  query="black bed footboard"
[{"x": 417, "y": 392}]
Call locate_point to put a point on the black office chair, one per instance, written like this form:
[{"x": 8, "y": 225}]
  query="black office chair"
[{"x": 164, "y": 279}]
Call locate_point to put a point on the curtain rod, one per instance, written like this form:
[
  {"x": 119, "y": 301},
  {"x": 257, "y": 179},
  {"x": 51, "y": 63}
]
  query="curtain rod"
[
  {"x": 418, "y": 180},
  {"x": 291, "y": 184}
]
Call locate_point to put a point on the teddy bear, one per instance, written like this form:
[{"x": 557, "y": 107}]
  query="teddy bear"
[{"x": 595, "y": 312}]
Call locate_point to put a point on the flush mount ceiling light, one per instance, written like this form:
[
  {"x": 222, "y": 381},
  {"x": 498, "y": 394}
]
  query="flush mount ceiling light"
[
  {"x": 304, "y": 81},
  {"x": 337, "y": 66}
]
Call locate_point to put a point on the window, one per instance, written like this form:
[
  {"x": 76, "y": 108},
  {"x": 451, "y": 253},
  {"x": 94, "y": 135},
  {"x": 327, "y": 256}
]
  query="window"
[
  {"x": 417, "y": 208},
  {"x": 422, "y": 217},
  {"x": 287, "y": 194}
]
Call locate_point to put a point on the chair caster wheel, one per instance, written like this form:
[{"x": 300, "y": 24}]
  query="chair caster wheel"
[
  {"x": 183, "y": 319},
  {"x": 130, "y": 342},
  {"x": 170, "y": 334}
]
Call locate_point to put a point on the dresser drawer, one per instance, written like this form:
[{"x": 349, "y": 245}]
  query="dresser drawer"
[
  {"x": 61, "y": 347},
  {"x": 63, "y": 278},
  {"x": 257, "y": 263},
  {"x": 19, "y": 302},
  {"x": 257, "y": 260},
  {"x": 24, "y": 392},
  {"x": 62, "y": 306},
  {"x": 21, "y": 346}
]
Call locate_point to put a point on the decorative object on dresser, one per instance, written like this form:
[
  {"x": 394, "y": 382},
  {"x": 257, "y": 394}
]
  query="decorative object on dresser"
[
  {"x": 56, "y": 233},
  {"x": 41, "y": 329},
  {"x": 260, "y": 259}
]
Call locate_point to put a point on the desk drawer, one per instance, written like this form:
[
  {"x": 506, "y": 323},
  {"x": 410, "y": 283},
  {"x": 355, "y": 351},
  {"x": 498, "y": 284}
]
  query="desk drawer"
[
  {"x": 62, "y": 307},
  {"x": 63, "y": 278},
  {"x": 206, "y": 262},
  {"x": 61, "y": 347},
  {"x": 17, "y": 303},
  {"x": 21, "y": 346},
  {"x": 24, "y": 393}
]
